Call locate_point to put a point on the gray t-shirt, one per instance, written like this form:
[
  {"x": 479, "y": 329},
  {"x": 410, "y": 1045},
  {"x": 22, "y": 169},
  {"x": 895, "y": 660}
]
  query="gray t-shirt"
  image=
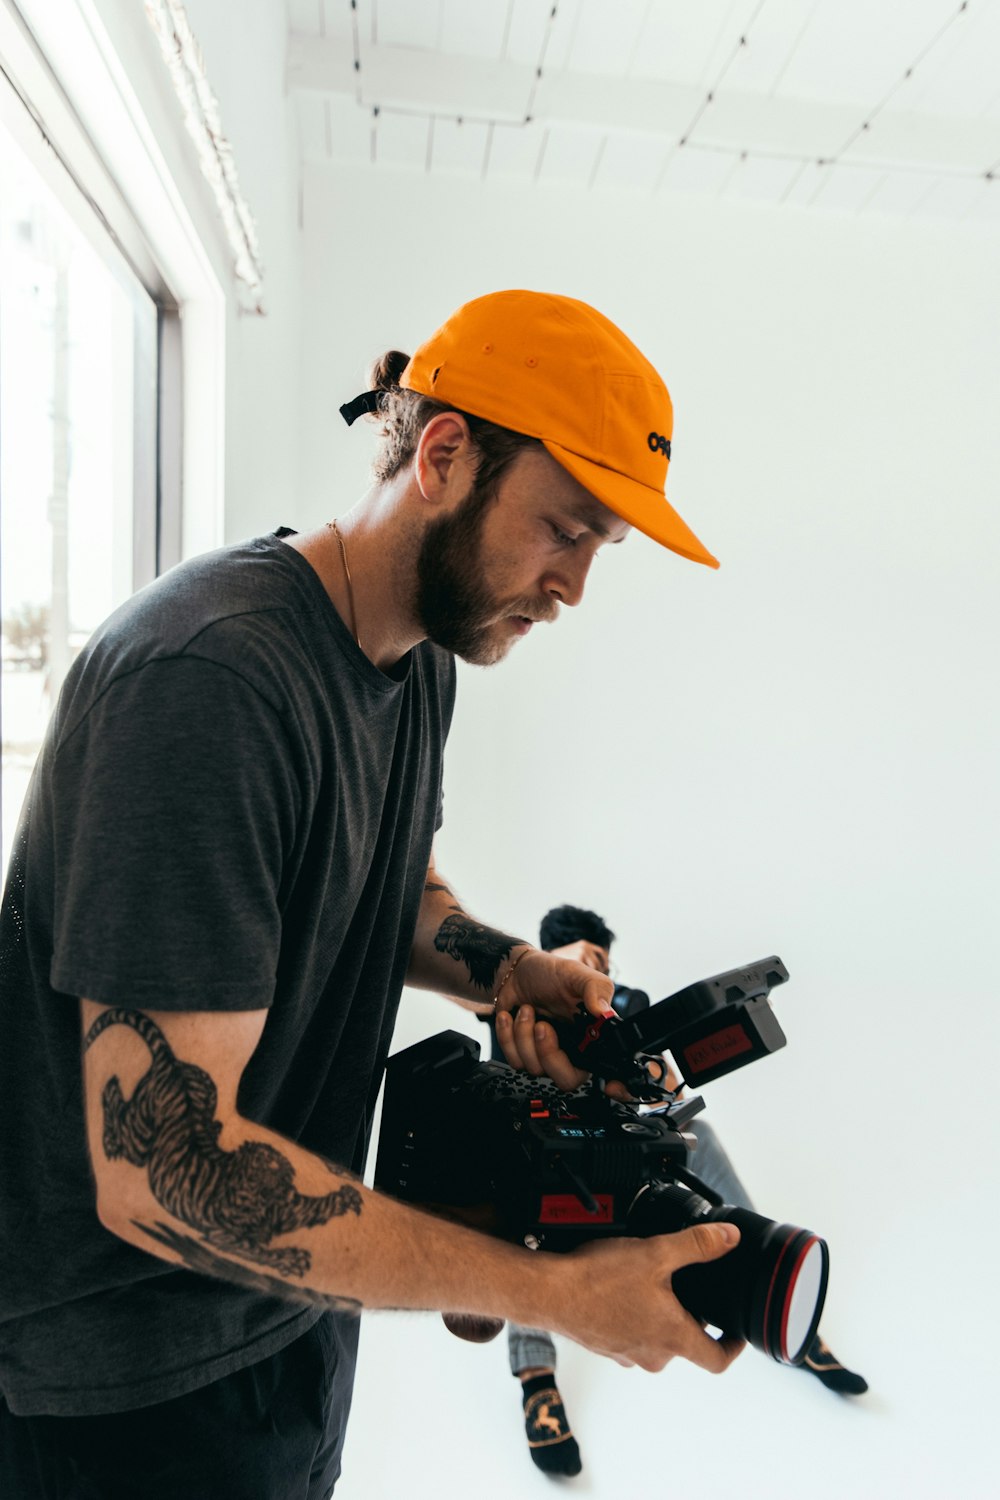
[{"x": 233, "y": 809}]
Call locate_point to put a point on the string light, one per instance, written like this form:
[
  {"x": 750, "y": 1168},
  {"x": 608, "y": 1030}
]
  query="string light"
[
  {"x": 740, "y": 154},
  {"x": 528, "y": 113},
  {"x": 356, "y": 42},
  {"x": 710, "y": 96},
  {"x": 866, "y": 124}
]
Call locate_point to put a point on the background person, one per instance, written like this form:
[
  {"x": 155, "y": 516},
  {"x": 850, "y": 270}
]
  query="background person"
[{"x": 573, "y": 932}]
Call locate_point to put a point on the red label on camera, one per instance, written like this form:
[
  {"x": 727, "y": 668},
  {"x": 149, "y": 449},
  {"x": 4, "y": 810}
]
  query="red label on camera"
[
  {"x": 717, "y": 1048},
  {"x": 566, "y": 1208}
]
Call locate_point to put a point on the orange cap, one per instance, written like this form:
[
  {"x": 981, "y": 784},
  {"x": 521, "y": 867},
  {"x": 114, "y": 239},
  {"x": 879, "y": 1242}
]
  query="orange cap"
[{"x": 556, "y": 369}]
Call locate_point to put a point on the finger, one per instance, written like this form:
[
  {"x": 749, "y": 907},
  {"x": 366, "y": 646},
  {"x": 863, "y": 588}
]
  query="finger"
[
  {"x": 713, "y": 1355},
  {"x": 732, "y": 1347},
  {"x": 505, "y": 1036},
  {"x": 703, "y": 1242},
  {"x": 615, "y": 1089},
  {"x": 506, "y": 1002},
  {"x": 524, "y": 1040},
  {"x": 553, "y": 1060},
  {"x": 605, "y": 1353},
  {"x": 596, "y": 995}
]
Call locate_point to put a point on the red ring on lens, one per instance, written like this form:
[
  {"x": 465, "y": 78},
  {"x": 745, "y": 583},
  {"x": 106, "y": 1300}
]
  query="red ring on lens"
[
  {"x": 812, "y": 1240},
  {"x": 766, "y": 1322}
]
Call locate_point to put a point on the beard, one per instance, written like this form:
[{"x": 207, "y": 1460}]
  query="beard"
[{"x": 453, "y": 603}]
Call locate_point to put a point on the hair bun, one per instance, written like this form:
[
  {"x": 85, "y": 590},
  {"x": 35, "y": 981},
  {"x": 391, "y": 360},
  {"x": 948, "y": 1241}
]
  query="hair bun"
[{"x": 385, "y": 372}]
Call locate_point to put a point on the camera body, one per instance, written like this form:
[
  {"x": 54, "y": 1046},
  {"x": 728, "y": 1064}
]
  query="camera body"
[
  {"x": 520, "y": 1158},
  {"x": 517, "y": 1154}
]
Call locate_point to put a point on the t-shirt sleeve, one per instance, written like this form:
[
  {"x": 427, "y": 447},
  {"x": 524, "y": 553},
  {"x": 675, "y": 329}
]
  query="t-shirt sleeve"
[{"x": 175, "y": 804}]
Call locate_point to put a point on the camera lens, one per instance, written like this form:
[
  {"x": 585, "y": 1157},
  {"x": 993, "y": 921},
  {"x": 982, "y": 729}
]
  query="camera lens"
[{"x": 769, "y": 1290}]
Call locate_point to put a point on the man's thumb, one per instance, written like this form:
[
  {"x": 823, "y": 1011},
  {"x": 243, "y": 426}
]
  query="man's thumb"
[{"x": 707, "y": 1242}]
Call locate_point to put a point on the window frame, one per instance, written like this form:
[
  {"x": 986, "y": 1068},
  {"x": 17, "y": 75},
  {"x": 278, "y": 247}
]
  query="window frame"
[
  {"x": 89, "y": 73},
  {"x": 56, "y": 150},
  {"x": 68, "y": 100}
]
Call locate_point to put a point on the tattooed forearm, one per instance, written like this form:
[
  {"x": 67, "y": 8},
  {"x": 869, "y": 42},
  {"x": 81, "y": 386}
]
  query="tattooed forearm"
[
  {"x": 236, "y": 1201},
  {"x": 481, "y": 949},
  {"x": 197, "y": 1256}
]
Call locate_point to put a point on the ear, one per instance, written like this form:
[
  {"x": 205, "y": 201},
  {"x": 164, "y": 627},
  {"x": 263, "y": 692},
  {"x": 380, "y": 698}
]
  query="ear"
[{"x": 444, "y": 464}]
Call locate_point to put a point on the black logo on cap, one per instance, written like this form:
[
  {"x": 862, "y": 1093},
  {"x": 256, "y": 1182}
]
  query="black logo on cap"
[{"x": 659, "y": 444}]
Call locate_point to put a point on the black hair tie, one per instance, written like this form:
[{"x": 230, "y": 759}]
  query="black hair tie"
[{"x": 361, "y": 406}]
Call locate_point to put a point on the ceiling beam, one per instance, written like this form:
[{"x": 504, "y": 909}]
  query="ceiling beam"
[
  {"x": 432, "y": 83},
  {"x": 411, "y": 78}
]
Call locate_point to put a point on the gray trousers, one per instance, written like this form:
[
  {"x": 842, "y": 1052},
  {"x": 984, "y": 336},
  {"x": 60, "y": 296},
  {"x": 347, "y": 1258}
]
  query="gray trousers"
[{"x": 532, "y": 1348}]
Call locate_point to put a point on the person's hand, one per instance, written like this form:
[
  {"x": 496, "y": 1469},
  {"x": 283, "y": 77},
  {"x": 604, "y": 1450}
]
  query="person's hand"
[
  {"x": 545, "y": 985},
  {"x": 617, "y": 1299}
]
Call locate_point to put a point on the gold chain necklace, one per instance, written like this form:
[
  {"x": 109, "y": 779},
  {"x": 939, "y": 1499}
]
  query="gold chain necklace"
[{"x": 332, "y": 525}]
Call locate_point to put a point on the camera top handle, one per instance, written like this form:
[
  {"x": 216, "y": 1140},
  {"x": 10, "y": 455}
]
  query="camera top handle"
[{"x": 710, "y": 1028}]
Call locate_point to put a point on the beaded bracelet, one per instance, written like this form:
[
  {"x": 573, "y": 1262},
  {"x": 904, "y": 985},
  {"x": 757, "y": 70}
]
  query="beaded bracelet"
[{"x": 523, "y": 954}]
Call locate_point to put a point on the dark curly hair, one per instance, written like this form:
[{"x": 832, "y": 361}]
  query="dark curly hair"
[{"x": 568, "y": 924}]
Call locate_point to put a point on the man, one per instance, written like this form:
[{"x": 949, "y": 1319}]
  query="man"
[
  {"x": 222, "y": 879},
  {"x": 572, "y": 932}
]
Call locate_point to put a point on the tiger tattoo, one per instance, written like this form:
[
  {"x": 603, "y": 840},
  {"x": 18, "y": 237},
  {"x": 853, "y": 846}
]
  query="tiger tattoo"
[{"x": 236, "y": 1200}]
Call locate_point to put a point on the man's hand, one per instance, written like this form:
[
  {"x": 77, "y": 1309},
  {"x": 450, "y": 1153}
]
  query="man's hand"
[
  {"x": 545, "y": 985},
  {"x": 627, "y": 1309},
  {"x": 341, "y": 1245}
]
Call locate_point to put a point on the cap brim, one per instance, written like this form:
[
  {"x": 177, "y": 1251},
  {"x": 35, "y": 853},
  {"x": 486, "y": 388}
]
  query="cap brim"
[{"x": 644, "y": 508}]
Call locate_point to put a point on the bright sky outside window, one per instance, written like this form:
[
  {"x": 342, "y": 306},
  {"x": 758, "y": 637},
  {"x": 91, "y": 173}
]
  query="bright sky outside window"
[{"x": 70, "y": 323}]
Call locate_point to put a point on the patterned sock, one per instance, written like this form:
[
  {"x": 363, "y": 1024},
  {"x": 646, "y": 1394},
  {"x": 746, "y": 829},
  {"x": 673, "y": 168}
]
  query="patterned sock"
[
  {"x": 552, "y": 1444},
  {"x": 827, "y": 1368}
]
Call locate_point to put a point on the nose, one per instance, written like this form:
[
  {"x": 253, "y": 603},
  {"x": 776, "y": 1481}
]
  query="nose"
[{"x": 568, "y": 583}]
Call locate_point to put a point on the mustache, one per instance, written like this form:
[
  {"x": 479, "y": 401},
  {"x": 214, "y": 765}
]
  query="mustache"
[{"x": 538, "y": 614}]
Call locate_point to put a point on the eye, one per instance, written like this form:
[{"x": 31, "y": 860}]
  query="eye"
[{"x": 563, "y": 537}]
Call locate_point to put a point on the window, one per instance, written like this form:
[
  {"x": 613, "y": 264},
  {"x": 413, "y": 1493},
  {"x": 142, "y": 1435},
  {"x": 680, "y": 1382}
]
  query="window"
[{"x": 83, "y": 342}]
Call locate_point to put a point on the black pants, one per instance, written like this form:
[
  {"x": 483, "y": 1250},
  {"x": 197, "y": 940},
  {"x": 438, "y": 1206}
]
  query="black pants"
[{"x": 274, "y": 1431}]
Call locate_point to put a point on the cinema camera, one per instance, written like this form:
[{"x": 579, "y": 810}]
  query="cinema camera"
[{"x": 520, "y": 1158}]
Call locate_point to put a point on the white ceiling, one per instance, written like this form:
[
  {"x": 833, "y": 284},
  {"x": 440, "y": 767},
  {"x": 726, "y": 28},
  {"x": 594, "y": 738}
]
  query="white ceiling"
[{"x": 858, "y": 106}]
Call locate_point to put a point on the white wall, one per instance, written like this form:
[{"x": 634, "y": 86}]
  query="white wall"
[{"x": 794, "y": 754}]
